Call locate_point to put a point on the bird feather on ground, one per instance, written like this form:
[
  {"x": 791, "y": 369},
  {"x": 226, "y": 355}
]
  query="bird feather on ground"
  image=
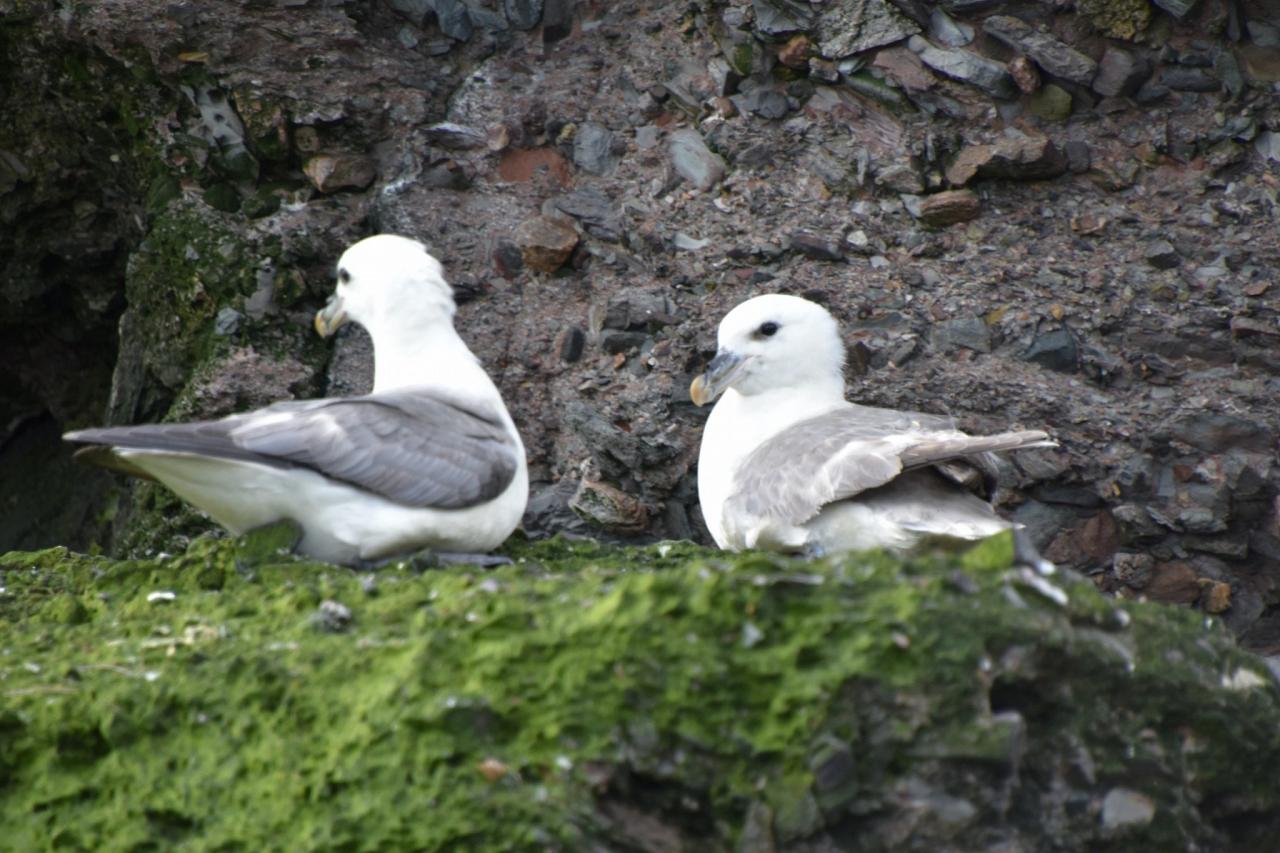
[
  {"x": 430, "y": 459},
  {"x": 788, "y": 464}
]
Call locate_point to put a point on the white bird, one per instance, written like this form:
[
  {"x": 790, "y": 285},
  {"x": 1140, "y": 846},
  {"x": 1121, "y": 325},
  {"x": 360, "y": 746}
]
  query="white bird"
[
  {"x": 429, "y": 460},
  {"x": 788, "y": 464}
]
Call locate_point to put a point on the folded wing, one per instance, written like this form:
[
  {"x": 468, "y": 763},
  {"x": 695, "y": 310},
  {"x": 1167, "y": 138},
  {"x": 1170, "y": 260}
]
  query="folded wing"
[
  {"x": 792, "y": 476},
  {"x": 417, "y": 448}
]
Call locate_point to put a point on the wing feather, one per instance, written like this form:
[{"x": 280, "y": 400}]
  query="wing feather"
[
  {"x": 790, "y": 477},
  {"x": 418, "y": 448}
]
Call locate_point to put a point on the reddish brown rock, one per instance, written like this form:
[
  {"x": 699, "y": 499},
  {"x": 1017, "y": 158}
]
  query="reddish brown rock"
[
  {"x": 333, "y": 172},
  {"x": 1024, "y": 74},
  {"x": 1217, "y": 597},
  {"x": 545, "y": 243},
  {"x": 1176, "y": 583},
  {"x": 795, "y": 53},
  {"x": 1015, "y": 156},
  {"x": 950, "y": 207},
  {"x": 609, "y": 507}
]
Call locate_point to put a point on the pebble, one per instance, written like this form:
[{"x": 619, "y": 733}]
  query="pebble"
[
  {"x": 1120, "y": 73},
  {"x": 1124, "y": 807},
  {"x": 333, "y": 172},
  {"x": 1052, "y": 103},
  {"x": 1161, "y": 255},
  {"x": 593, "y": 146},
  {"x": 545, "y": 243},
  {"x": 693, "y": 161},
  {"x": 818, "y": 246},
  {"x": 1055, "y": 350},
  {"x": 1024, "y": 74},
  {"x": 949, "y": 207}
]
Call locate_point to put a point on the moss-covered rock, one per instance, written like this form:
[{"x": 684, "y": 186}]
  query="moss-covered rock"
[{"x": 234, "y": 697}]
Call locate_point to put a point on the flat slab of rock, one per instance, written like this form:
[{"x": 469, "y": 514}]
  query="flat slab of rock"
[
  {"x": 693, "y": 160},
  {"x": 847, "y": 28},
  {"x": 545, "y": 243},
  {"x": 950, "y": 207},
  {"x": 1050, "y": 54},
  {"x": 959, "y": 64},
  {"x": 1015, "y": 156}
]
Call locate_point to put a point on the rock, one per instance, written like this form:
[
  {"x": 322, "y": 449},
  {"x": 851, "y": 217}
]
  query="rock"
[
  {"x": 1123, "y": 808},
  {"x": 766, "y": 102},
  {"x": 969, "y": 332},
  {"x": 333, "y": 172},
  {"x": 1217, "y": 433},
  {"x": 947, "y": 30},
  {"x": 1161, "y": 255},
  {"x": 557, "y": 19},
  {"x": 1120, "y": 73},
  {"x": 593, "y": 149},
  {"x": 901, "y": 178},
  {"x": 599, "y": 216},
  {"x": 639, "y": 309},
  {"x": 1216, "y": 597},
  {"x": 446, "y": 134},
  {"x": 949, "y": 207},
  {"x": 1133, "y": 570},
  {"x": 1227, "y": 67},
  {"x": 523, "y": 14},
  {"x": 985, "y": 74},
  {"x": 795, "y": 53},
  {"x": 1177, "y": 8},
  {"x": 545, "y": 243},
  {"x": 818, "y": 246},
  {"x": 616, "y": 342},
  {"x": 453, "y": 18},
  {"x": 1176, "y": 583},
  {"x": 1078, "y": 156},
  {"x": 570, "y": 344},
  {"x": 845, "y": 29},
  {"x": 1015, "y": 155},
  {"x": 1189, "y": 79},
  {"x": 693, "y": 161},
  {"x": 1024, "y": 74},
  {"x": 782, "y": 17},
  {"x": 1052, "y": 103},
  {"x": 1050, "y": 54},
  {"x": 609, "y": 507},
  {"x": 1055, "y": 350},
  {"x": 332, "y": 617}
]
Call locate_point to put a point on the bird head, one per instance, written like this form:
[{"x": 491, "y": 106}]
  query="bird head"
[
  {"x": 770, "y": 342},
  {"x": 386, "y": 280}
]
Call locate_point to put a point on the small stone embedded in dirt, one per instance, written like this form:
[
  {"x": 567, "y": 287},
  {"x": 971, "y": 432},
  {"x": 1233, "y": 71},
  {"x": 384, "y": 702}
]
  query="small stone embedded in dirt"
[
  {"x": 1120, "y": 73},
  {"x": 1133, "y": 570},
  {"x": 949, "y": 207},
  {"x": 333, "y": 172},
  {"x": 693, "y": 161},
  {"x": 1056, "y": 350},
  {"x": 820, "y": 247},
  {"x": 1015, "y": 155},
  {"x": 570, "y": 343},
  {"x": 969, "y": 332},
  {"x": 447, "y": 134},
  {"x": 1161, "y": 255},
  {"x": 593, "y": 148},
  {"x": 545, "y": 243}
]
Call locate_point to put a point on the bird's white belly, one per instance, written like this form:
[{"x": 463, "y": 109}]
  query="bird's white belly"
[{"x": 340, "y": 523}]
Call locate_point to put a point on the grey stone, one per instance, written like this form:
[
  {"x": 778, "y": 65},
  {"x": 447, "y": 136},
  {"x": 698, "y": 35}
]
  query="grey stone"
[
  {"x": 1133, "y": 570},
  {"x": 414, "y": 10},
  {"x": 1078, "y": 157},
  {"x": 454, "y": 18},
  {"x": 446, "y": 134},
  {"x": 615, "y": 342},
  {"x": 1177, "y": 8},
  {"x": 781, "y": 17},
  {"x": 1161, "y": 255},
  {"x": 693, "y": 161},
  {"x": 1228, "y": 70},
  {"x": 947, "y": 30},
  {"x": 1120, "y": 73},
  {"x": 767, "y": 102},
  {"x": 1267, "y": 144},
  {"x": 969, "y": 332},
  {"x": 227, "y": 323},
  {"x": 818, "y": 246},
  {"x": 844, "y": 29},
  {"x": 1055, "y": 350},
  {"x": 593, "y": 149},
  {"x": 523, "y": 14},
  {"x": 1050, "y": 54},
  {"x": 1264, "y": 34},
  {"x": 989, "y": 76},
  {"x": 1183, "y": 79},
  {"x": 557, "y": 19},
  {"x": 599, "y": 216},
  {"x": 1217, "y": 433}
]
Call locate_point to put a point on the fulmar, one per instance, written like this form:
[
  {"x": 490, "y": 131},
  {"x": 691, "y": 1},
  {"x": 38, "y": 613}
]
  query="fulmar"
[
  {"x": 788, "y": 464},
  {"x": 430, "y": 459}
]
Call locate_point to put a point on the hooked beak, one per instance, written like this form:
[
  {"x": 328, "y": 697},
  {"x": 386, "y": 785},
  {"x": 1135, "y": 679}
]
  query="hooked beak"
[
  {"x": 331, "y": 317},
  {"x": 718, "y": 376}
]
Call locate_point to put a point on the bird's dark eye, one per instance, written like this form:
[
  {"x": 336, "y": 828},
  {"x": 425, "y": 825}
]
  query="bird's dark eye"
[
  {"x": 344, "y": 276},
  {"x": 767, "y": 330}
]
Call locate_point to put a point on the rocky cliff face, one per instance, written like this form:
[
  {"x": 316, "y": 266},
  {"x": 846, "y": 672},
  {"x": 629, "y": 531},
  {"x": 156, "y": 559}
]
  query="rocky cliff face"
[{"x": 1023, "y": 213}]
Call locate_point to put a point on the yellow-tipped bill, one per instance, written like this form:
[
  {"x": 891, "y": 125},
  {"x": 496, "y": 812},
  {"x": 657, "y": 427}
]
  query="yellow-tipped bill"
[
  {"x": 718, "y": 376},
  {"x": 331, "y": 317}
]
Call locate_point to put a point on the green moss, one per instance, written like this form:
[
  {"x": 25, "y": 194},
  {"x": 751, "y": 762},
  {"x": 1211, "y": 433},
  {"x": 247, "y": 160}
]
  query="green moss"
[
  {"x": 191, "y": 700},
  {"x": 1121, "y": 19}
]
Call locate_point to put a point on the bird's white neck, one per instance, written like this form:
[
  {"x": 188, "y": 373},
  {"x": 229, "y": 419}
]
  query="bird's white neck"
[{"x": 431, "y": 355}]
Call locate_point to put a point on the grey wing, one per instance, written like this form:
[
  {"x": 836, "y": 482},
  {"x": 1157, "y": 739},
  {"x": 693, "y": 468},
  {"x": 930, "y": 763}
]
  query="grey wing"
[
  {"x": 790, "y": 477},
  {"x": 420, "y": 449}
]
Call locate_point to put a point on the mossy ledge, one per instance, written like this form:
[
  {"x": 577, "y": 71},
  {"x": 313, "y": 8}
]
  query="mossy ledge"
[{"x": 235, "y": 698}]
